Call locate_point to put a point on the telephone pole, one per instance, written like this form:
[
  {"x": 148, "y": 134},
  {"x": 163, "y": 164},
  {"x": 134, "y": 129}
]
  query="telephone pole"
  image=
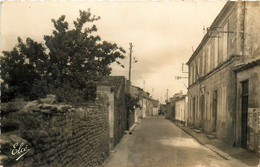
[
  {"x": 167, "y": 96},
  {"x": 130, "y": 60}
]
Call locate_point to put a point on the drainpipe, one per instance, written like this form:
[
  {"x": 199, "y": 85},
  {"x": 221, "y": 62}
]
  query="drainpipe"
[
  {"x": 243, "y": 59},
  {"x": 243, "y": 36}
]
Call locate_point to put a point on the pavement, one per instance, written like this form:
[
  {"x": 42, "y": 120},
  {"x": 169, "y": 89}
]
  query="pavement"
[
  {"x": 157, "y": 142},
  {"x": 222, "y": 149}
]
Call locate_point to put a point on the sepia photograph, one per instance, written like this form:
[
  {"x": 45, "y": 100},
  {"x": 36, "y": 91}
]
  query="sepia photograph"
[{"x": 130, "y": 83}]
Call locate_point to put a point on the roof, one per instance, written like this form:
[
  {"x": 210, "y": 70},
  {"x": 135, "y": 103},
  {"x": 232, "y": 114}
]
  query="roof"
[
  {"x": 136, "y": 87},
  {"x": 246, "y": 65},
  {"x": 224, "y": 10},
  {"x": 113, "y": 81}
]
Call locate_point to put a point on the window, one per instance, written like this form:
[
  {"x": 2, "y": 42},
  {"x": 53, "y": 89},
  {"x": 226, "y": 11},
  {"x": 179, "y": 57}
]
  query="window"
[
  {"x": 201, "y": 65},
  {"x": 212, "y": 59},
  {"x": 190, "y": 107},
  {"x": 199, "y": 74},
  {"x": 225, "y": 41},
  {"x": 193, "y": 74},
  {"x": 190, "y": 74},
  {"x": 209, "y": 55},
  {"x": 205, "y": 61},
  {"x": 207, "y": 107},
  {"x": 196, "y": 71},
  {"x": 216, "y": 53},
  {"x": 197, "y": 106}
]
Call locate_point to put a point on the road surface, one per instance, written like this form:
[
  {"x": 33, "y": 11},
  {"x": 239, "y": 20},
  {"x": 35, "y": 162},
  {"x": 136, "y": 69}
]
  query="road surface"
[{"x": 157, "y": 142}]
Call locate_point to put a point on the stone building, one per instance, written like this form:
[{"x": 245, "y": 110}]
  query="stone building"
[
  {"x": 181, "y": 110},
  {"x": 162, "y": 110},
  {"x": 145, "y": 104},
  {"x": 137, "y": 92},
  {"x": 219, "y": 73},
  {"x": 114, "y": 87},
  {"x": 156, "y": 107},
  {"x": 248, "y": 104},
  {"x": 170, "y": 106}
]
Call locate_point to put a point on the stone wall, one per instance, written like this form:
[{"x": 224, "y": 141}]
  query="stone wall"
[
  {"x": 54, "y": 134},
  {"x": 120, "y": 120}
]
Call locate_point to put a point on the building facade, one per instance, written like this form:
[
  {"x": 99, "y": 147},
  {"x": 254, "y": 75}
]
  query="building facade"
[
  {"x": 137, "y": 92},
  {"x": 181, "y": 110},
  {"x": 232, "y": 39},
  {"x": 114, "y": 89},
  {"x": 156, "y": 106}
]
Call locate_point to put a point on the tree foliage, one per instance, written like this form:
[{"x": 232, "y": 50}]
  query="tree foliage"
[
  {"x": 22, "y": 68},
  {"x": 71, "y": 59},
  {"x": 131, "y": 103}
]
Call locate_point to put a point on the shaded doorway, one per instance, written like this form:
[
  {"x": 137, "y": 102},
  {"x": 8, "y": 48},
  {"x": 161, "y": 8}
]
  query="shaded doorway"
[
  {"x": 193, "y": 110},
  {"x": 215, "y": 110},
  {"x": 244, "y": 115},
  {"x": 202, "y": 111}
]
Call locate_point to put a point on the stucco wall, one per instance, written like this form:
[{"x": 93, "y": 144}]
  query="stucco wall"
[
  {"x": 253, "y": 77},
  {"x": 180, "y": 110},
  {"x": 252, "y": 29},
  {"x": 223, "y": 80}
]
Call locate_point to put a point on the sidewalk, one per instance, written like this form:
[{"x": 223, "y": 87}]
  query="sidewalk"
[
  {"x": 222, "y": 149},
  {"x": 119, "y": 152}
]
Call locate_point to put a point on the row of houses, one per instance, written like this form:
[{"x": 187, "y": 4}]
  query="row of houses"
[
  {"x": 223, "y": 98},
  {"x": 115, "y": 89},
  {"x": 176, "y": 108},
  {"x": 148, "y": 105}
]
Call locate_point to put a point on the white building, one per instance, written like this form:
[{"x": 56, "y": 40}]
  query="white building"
[{"x": 181, "y": 110}]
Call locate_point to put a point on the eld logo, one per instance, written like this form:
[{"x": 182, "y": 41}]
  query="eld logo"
[{"x": 20, "y": 150}]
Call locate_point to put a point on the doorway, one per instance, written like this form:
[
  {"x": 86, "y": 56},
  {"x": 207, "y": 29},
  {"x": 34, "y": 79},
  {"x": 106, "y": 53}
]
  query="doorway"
[
  {"x": 215, "y": 110},
  {"x": 193, "y": 110},
  {"x": 202, "y": 111},
  {"x": 244, "y": 115}
]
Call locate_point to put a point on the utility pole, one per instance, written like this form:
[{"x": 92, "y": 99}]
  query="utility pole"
[
  {"x": 167, "y": 94},
  {"x": 130, "y": 60}
]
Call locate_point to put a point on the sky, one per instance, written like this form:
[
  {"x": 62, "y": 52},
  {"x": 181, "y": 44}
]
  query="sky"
[{"x": 164, "y": 34}]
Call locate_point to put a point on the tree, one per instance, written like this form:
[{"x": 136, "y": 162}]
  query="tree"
[
  {"x": 22, "y": 68},
  {"x": 131, "y": 103},
  {"x": 77, "y": 57},
  {"x": 70, "y": 63}
]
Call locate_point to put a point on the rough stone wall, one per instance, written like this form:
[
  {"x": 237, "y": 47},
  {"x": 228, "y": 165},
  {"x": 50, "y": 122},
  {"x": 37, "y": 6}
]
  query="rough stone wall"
[
  {"x": 56, "y": 135},
  {"x": 120, "y": 114},
  {"x": 107, "y": 91}
]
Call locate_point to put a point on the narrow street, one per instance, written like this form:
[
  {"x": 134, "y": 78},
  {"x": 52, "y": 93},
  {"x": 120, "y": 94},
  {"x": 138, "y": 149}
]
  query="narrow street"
[{"x": 158, "y": 142}]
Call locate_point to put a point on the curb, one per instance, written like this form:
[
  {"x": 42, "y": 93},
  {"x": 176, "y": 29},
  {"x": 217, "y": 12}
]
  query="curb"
[
  {"x": 206, "y": 145},
  {"x": 212, "y": 148},
  {"x": 191, "y": 135}
]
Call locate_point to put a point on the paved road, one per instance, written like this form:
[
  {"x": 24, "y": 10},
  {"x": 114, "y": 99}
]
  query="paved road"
[{"x": 157, "y": 142}]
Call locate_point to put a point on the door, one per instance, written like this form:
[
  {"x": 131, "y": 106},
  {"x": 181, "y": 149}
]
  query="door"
[
  {"x": 215, "y": 109},
  {"x": 244, "y": 115},
  {"x": 193, "y": 110},
  {"x": 202, "y": 111}
]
